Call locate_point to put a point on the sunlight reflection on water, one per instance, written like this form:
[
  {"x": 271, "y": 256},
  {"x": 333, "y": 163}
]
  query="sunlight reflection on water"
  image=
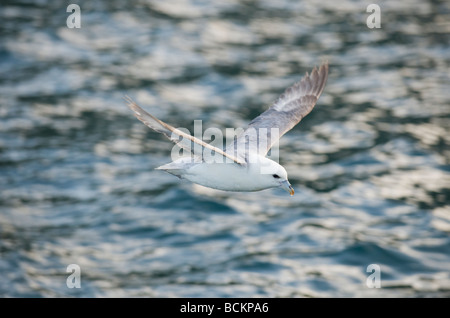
[{"x": 370, "y": 164}]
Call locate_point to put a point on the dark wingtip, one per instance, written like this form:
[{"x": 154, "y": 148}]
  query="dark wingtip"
[
  {"x": 324, "y": 67},
  {"x": 129, "y": 101}
]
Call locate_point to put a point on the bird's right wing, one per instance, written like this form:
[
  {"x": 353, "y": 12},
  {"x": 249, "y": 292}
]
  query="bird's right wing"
[
  {"x": 179, "y": 137},
  {"x": 287, "y": 111}
]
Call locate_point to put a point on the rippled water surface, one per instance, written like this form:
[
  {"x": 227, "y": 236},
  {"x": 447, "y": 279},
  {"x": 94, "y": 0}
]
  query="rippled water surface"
[{"x": 370, "y": 164}]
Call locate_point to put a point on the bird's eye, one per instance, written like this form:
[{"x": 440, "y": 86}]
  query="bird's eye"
[{"x": 276, "y": 176}]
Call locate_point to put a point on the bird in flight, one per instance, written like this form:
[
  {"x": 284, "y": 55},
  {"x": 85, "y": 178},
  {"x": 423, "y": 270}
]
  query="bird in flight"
[{"x": 243, "y": 165}]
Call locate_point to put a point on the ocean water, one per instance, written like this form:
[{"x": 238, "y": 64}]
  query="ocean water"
[{"x": 370, "y": 164}]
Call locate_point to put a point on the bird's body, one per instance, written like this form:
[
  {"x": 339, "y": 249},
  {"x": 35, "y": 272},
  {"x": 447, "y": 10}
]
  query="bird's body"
[
  {"x": 243, "y": 165},
  {"x": 228, "y": 176}
]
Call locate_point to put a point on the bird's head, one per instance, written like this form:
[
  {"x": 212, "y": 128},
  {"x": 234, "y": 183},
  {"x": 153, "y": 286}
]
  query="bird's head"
[{"x": 276, "y": 175}]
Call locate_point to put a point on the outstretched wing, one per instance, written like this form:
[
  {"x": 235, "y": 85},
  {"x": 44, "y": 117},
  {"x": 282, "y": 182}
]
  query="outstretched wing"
[
  {"x": 287, "y": 111},
  {"x": 179, "y": 137}
]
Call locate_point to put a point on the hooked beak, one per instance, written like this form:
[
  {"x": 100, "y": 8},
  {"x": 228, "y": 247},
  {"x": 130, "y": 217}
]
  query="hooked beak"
[{"x": 287, "y": 186}]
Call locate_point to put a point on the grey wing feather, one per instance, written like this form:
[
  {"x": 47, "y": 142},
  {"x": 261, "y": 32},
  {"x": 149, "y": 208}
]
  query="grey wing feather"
[
  {"x": 179, "y": 137},
  {"x": 286, "y": 112}
]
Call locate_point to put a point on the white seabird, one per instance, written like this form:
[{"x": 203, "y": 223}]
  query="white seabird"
[{"x": 244, "y": 166}]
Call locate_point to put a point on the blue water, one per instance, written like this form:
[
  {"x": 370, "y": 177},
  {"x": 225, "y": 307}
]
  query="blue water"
[{"x": 370, "y": 164}]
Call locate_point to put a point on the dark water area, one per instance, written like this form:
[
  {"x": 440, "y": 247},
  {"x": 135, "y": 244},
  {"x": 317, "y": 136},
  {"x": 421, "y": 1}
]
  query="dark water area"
[{"x": 370, "y": 164}]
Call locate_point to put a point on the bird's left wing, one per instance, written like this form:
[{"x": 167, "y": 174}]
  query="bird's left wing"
[{"x": 179, "y": 137}]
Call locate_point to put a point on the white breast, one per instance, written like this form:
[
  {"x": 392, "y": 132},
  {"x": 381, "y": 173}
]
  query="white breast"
[{"x": 227, "y": 176}]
